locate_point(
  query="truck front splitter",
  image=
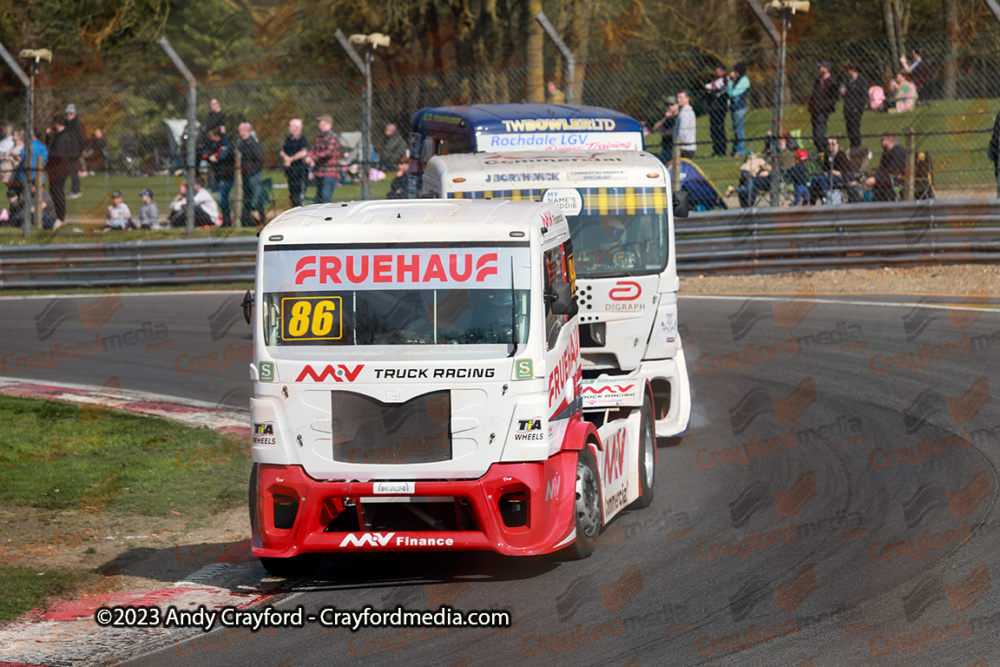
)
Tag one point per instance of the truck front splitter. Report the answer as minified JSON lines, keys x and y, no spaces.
{"x":516,"y":509}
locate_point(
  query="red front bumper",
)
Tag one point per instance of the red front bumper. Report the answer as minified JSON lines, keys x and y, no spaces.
{"x":548,"y":485}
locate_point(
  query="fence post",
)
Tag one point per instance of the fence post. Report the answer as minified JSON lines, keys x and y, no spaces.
{"x":236,"y":210}
{"x":911,"y":160}
{"x":365,"y":67}
{"x":39,"y":197}
{"x":192,"y":128}
{"x":676,"y":181}
{"x":28,"y":132}
{"x":567,"y":54}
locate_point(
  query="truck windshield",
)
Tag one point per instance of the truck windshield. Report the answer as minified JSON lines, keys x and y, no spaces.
{"x":619,"y":243}
{"x":397,"y":317}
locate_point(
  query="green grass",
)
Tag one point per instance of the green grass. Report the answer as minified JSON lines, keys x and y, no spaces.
{"x":25,"y":588}
{"x":959,"y":159}
{"x":59,"y":456}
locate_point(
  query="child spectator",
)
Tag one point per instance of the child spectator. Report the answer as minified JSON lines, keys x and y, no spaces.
{"x":397,"y":188}
{"x":118,"y":217}
{"x":798,"y":175}
{"x":149,"y":215}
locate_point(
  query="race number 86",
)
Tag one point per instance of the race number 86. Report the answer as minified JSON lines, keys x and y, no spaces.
{"x":311,"y":318}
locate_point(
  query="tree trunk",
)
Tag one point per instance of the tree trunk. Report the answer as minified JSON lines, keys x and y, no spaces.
{"x":534,"y":83}
{"x":948,"y":86}
{"x":890,"y":31}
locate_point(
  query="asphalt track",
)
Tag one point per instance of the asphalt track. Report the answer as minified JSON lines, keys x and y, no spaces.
{"x":831,"y":504}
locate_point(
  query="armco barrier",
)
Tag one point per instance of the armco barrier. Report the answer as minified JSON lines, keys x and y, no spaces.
{"x":740,"y":241}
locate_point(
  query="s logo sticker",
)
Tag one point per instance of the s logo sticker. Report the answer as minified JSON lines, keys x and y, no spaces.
{"x":266,"y":371}
{"x":524,"y":369}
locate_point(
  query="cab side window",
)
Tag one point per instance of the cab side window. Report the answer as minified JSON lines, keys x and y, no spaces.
{"x":558,"y":269}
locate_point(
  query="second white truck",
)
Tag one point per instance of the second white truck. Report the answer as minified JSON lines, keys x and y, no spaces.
{"x":620,"y":211}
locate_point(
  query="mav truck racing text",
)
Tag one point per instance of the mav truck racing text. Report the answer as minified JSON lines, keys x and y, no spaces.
{"x":418,"y":385}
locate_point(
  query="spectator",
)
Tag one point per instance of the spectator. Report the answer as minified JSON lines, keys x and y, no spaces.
{"x":119,"y":216}
{"x":556,"y":96}
{"x":904,"y":93}
{"x":7,"y":143}
{"x":61,"y":164}
{"x":718,"y":105}
{"x":855,"y":93}
{"x":9,"y":159}
{"x":738,"y":94}
{"x":784,"y":147}
{"x":16,"y":208}
{"x":687,"y":124}
{"x":993,"y":151}
{"x":836,"y":170}
{"x":251,"y":166}
{"x":397,"y":188}
{"x":206,"y":211}
{"x":798,"y":176}
{"x":325,"y":158}
{"x":96,"y":152}
{"x":76,"y":146}
{"x":216,"y":116}
{"x":918,"y":71}
{"x":392,"y":150}
{"x":149,"y":215}
{"x":890,"y":166}
{"x":38,"y":150}
{"x":755,"y":176}
{"x":665,"y":126}
{"x":218,"y":151}
{"x":293,"y":156}
{"x":824,"y":98}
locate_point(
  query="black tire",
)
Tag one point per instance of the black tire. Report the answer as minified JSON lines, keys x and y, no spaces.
{"x":290,"y":568}
{"x":647,"y":454}
{"x":586,"y":508}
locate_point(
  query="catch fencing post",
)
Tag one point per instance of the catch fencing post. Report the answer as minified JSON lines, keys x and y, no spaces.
{"x":192,"y":127}
{"x":676,"y":182}
{"x":911,"y":164}
{"x":236,"y":211}
{"x":28,"y":133}
{"x":368,"y":43}
{"x":39,"y":175}
{"x":567,"y":54}
{"x":778,"y":102}
{"x":365,"y":108}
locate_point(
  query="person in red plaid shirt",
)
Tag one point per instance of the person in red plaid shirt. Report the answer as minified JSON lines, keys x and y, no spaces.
{"x":324,"y":158}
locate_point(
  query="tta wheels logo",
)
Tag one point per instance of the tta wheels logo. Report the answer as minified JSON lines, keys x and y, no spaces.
{"x":625,"y":290}
{"x":342,"y":373}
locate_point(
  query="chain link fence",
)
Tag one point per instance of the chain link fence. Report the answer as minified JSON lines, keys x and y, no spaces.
{"x":134,"y":130}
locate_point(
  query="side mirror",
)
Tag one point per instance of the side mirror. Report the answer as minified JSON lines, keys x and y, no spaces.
{"x":561,"y":298}
{"x":682,"y":204}
{"x":248,"y":306}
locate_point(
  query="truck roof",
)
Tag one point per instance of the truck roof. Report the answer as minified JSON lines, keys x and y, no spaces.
{"x":529,"y":175}
{"x":499,"y":161}
{"x":491,"y":116}
{"x":411,"y":220}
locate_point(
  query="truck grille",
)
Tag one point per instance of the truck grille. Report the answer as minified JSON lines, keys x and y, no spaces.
{"x":368,"y":431}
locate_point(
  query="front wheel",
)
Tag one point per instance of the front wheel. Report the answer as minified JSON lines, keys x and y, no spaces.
{"x":586,"y":508}
{"x":647,"y":454}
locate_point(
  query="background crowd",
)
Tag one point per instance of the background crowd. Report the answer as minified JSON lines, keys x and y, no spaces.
{"x":833,"y":172}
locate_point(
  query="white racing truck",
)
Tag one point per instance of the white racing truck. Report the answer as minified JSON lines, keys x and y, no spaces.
{"x":620,"y":210}
{"x":417,"y":385}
